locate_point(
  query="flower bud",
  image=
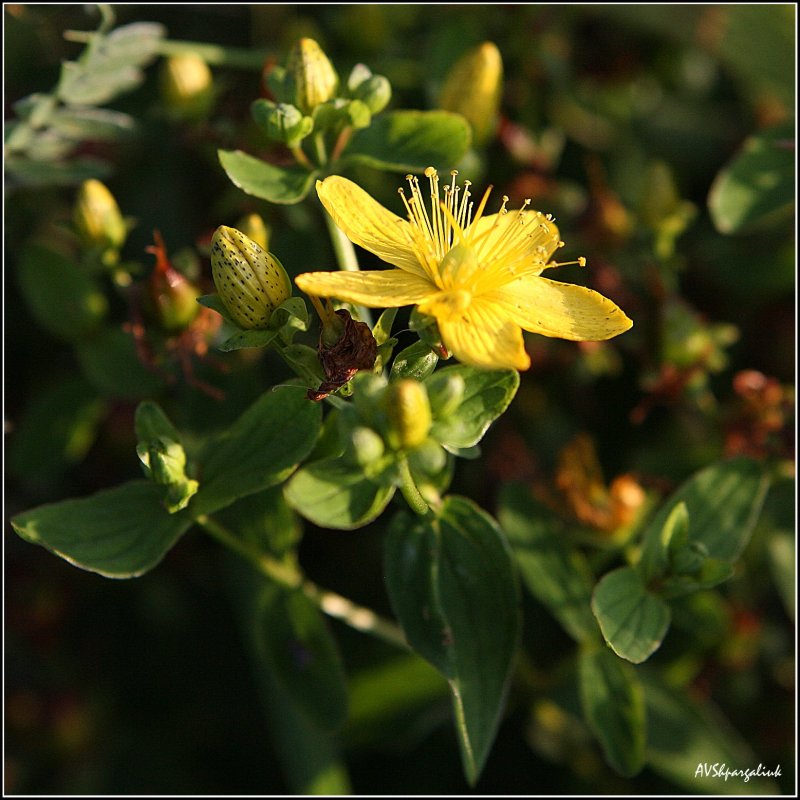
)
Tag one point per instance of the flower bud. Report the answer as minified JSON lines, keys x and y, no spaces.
{"x":282,"y":122}
{"x":408,"y":414}
{"x":374,"y":91}
{"x":251,"y":282}
{"x":254,"y":227}
{"x":473,"y":88}
{"x":363,"y":446}
{"x":186,"y":86}
{"x":315,"y":80}
{"x":445,"y":393}
{"x":98,"y":219}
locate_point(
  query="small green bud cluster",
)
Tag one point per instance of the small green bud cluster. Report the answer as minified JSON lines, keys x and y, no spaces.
{"x":310,"y":98}
{"x":251,"y":282}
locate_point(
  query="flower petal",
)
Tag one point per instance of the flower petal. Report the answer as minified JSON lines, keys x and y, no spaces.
{"x":368,"y":224}
{"x":482,"y":335}
{"x":562,"y":310}
{"x":384,"y":288}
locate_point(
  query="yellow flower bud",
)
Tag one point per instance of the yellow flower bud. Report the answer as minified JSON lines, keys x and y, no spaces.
{"x":408,"y":414}
{"x":251,"y":282}
{"x":254,"y":227}
{"x":97,"y":217}
{"x":473,"y":88}
{"x":186,"y":86}
{"x":315,"y":80}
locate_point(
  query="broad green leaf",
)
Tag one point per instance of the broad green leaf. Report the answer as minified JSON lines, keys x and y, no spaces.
{"x":110,"y":361}
{"x":261,"y":449}
{"x":61,"y":296}
{"x":87,"y":84}
{"x":245,"y":338}
{"x":335,"y":494}
{"x":56,"y":429}
{"x":613,"y":706}
{"x":452,"y":585}
{"x":633,"y":621}
{"x":92,"y":124}
{"x":119,"y":533}
{"x":554,"y":573}
{"x":417,"y":361}
{"x":410,"y":141}
{"x":758,"y":186}
{"x":302,"y":654}
{"x":391,"y":700}
{"x":488,"y":394}
{"x":286,"y":185}
{"x":723,"y":502}
{"x":687,"y":737}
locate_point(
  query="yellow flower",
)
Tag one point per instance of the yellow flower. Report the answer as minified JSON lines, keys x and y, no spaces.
{"x":478,"y":276}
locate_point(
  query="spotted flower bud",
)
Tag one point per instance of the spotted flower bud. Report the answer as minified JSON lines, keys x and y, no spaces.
{"x":315,"y":80}
{"x":408,"y":414}
{"x":98,"y":219}
{"x":473,"y":87}
{"x":251,"y":282}
{"x":186,"y":86}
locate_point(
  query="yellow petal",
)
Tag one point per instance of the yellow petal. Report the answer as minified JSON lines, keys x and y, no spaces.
{"x":368,"y":224}
{"x":562,"y":310}
{"x":385,"y":288}
{"x":482,"y":335}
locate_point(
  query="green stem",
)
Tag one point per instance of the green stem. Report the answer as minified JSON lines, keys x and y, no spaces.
{"x":213,"y":54}
{"x":331,"y":603}
{"x":409,"y":489}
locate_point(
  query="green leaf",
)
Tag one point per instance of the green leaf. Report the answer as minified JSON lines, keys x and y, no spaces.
{"x":487,"y":395}
{"x":64,"y":300}
{"x":86,"y":84}
{"x":134,"y":44}
{"x":335,"y":494}
{"x":248,"y":338}
{"x":286,"y":185}
{"x":214,"y":302}
{"x":452,"y":585}
{"x":613,"y":705}
{"x":119,"y":533}
{"x":383,"y":327}
{"x":633,"y":621}
{"x":758,"y":187}
{"x":555,"y":574}
{"x":24,"y":171}
{"x":261,"y":449}
{"x":92,"y":124}
{"x":410,"y":141}
{"x":686,"y":736}
{"x":723,"y":501}
{"x":150,"y":422}
{"x":417,"y":362}
{"x":781,"y":550}
{"x":111,"y":363}
{"x":302,"y":654}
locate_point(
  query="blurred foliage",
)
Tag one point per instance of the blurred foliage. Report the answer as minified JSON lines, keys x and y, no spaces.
{"x":662,"y":138}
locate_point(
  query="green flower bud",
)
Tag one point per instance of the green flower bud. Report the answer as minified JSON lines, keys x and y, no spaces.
{"x":445,"y":392}
{"x":473,"y":88}
{"x":282,"y":122}
{"x":98,"y":220}
{"x":187,"y":86}
{"x":374,"y":91}
{"x":428,"y":460}
{"x":251,"y":282}
{"x":254,"y":227}
{"x":408,"y":414}
{"x":315,"y":80}
{"x":363,"y":446}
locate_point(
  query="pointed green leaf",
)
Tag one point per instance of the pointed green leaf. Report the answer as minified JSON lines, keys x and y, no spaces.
{"x":261,"y":449}
{"x":335,"y":494}
{"x":452,"y":585}
{"x":633,"y":621}
{"x":488,"y":394}
{"x":119,"y":533}
{"x":758,"y":186}
{"x":554,"y":573}
{"x":416,"y":361}
{"x":302,"y":654}
{"x":251,"y":338}
{"x":723,"y":502}
{"x":410,"y":141}
{"x":613,"y":705}
{"x":286,"y":185}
